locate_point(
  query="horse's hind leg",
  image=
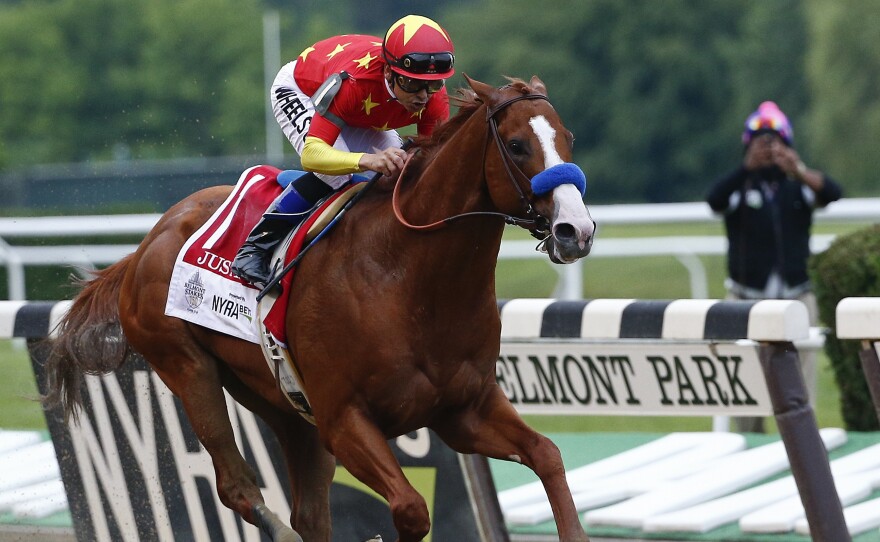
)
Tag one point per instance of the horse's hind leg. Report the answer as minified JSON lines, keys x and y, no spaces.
{"x":496,"y":430}
{"x":363,"y":450}
{"x":192,"y":375}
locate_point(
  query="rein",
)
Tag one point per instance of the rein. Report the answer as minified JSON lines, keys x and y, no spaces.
{"x":541,"y":224}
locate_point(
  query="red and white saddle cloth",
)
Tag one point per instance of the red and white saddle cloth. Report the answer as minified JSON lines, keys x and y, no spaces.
{"x":204,"y":291}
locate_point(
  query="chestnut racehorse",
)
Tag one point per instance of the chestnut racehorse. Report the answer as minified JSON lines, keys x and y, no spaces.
{"x":392,"y":320}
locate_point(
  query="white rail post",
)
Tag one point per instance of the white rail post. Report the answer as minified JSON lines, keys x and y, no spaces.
{"x":571,"y":281}
{"x":15,"y":271}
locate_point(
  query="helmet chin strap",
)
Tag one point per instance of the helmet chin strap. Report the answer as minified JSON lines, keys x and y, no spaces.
{"x":389,"y":82}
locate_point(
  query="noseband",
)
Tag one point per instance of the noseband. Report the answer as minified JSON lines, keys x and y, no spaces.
{"x":540,"y":225}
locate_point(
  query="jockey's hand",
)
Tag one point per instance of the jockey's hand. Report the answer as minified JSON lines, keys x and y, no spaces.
{"x":788,"y":161}
{"x":388,"y":162}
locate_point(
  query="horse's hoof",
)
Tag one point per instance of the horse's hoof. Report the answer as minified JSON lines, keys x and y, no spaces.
{"x":377,"y":538}
{"x":288,"y":536}
{"x":274,"y":527}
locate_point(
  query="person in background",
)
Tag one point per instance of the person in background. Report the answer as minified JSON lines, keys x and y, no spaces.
{"x":339,"y":103}
{"x":768,"y":203}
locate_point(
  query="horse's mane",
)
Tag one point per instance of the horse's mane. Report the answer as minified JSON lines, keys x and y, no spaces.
{"x":467,"y":102}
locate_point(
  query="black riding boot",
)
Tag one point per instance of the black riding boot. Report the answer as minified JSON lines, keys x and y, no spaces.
{"x":252,"y":261}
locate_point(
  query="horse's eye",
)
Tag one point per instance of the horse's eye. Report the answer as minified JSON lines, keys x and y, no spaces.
{"x":516,"y":147}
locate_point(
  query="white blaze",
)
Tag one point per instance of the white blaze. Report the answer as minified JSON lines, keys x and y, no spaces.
{"x":568,"y":202}
{"x":547,"y":136}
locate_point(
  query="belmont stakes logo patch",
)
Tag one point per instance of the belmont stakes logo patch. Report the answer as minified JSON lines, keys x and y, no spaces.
{"x":194,"y":290}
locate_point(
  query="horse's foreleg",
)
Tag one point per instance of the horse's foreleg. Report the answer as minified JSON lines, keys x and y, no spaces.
{"x":495,"y":429}
{"x":310,"y":467}
{"x":363,"y":450}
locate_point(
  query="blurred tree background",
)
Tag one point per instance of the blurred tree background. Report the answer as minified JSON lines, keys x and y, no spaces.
{"x":655,"y":91}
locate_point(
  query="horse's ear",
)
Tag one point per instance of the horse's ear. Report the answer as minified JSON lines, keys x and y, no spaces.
{"x":538,"y":85}
{"x":486,"y":93}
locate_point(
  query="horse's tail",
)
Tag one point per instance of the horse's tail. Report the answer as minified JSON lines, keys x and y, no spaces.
{"x":89,"y":339}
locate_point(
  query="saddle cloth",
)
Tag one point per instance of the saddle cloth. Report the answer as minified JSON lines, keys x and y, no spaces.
{"x":204,"y":291}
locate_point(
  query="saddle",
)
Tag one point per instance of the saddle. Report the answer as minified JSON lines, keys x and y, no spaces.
{"x":202,"y":290}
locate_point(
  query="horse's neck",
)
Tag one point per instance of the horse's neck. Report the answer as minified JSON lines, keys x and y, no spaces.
{"x":453,"y":183}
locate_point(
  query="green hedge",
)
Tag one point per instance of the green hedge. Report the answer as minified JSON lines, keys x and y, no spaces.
{"x":849,"y":268}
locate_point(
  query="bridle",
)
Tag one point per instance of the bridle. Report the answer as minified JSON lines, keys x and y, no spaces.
{"x":537,"y":224}
{"x":540,"y":225}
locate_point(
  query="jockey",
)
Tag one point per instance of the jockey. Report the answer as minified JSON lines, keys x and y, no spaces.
{"x":338,"y":103}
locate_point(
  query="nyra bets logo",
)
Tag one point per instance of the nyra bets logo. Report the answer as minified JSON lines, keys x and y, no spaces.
{"x":194,"y":290}
{"x":232,"y":308}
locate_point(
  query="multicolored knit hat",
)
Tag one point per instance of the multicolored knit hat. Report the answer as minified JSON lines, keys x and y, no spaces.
{"x":768,"y":117}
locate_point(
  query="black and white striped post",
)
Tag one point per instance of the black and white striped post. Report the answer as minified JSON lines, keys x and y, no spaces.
{"x":30,"y":319}
{"x":859,"y":318}
{"x":696,"y":331}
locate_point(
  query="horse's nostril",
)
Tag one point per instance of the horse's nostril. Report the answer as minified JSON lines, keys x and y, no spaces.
{"x":565,"y":232}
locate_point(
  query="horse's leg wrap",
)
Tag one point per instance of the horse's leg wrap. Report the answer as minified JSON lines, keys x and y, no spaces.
{"x":269,"y":522}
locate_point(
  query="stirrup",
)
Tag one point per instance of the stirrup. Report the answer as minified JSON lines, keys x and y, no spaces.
{"x":259,"y":282}
{"x":277,"y":288}
{"x":243,"y":274}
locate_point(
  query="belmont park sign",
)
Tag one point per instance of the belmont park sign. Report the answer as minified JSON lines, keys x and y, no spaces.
{"x":690,"y":357}
{"x":633,"y":378}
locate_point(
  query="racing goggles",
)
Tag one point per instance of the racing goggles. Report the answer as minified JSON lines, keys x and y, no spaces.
{"x":412,"y":86}
{"x":426,"y":62}
{"x":765,"y":123}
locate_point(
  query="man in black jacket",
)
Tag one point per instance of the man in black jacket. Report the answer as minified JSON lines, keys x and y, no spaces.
{"x":768,"y":204}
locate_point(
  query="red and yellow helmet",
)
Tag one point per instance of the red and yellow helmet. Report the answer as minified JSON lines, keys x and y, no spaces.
{"x":417,"y":47}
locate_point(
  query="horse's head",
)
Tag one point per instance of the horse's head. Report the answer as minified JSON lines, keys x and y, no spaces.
{"x":529,"y":170}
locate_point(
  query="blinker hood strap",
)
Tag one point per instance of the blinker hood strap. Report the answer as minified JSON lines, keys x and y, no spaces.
{"x":566,"y":173}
